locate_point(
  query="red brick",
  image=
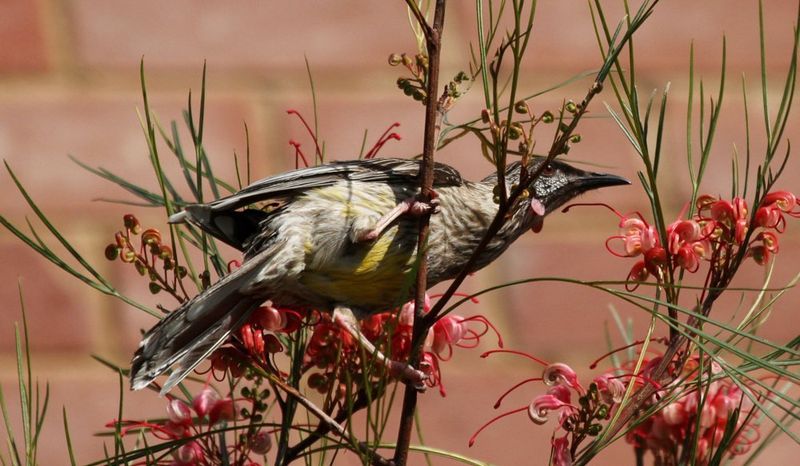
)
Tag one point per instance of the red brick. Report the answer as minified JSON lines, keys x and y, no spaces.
{"x":255,"y":35}
{"x":37,"y":134}
{"x":87,"y":381}
{"x":22,"y":37}
{"x":563,"y":36}
{"x":57,"y":308}
{"x":343,"y":120}
{"x":731,"y":134}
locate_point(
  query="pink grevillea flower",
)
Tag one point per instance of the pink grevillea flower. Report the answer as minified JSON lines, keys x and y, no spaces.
{"x":637,"y":236}
{"x":454,"y":330}
{"x":560,"y":379}
{"x":675,"y":424}
{"x":689,"y":243}
{"x":731,"y":221}
{"x":560,"y":453}
{"x":185,"y":423}
{"x":730,"y":216}
{"x":178,"y":412}
{"x":611,"y":389}
{"x":258,"y":333}
{"x":332,"y":349}
{"x":204,"y":401}
{"x":190,"y":453}
{"x":761,"y":253}
{"x":561,"y":374}
{"x":770,"y":213}
{"x":260,"y":442}
{"x":556,"y":398}
{"x":715,"y":233}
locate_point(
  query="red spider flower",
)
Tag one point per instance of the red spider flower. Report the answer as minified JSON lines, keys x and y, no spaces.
{"x":181,"y":425}
{"x":770,"y":213}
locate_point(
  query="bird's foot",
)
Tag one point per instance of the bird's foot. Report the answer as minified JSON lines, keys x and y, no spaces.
{"x":411,"y":376}
{"x":415,"y":206}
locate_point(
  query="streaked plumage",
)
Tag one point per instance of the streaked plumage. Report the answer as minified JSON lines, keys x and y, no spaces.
{"x":302,"y":249}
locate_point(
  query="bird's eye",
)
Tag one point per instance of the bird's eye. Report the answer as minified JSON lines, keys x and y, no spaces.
{"x":548,"y":171}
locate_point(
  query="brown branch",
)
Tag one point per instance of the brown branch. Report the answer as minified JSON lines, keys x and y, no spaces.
{"x":426,"y":28}
{"x":433,"y":43}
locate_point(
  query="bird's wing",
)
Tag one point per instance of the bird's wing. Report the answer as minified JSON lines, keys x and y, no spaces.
{"x":388,"y":170}
{"x":223,"y":220}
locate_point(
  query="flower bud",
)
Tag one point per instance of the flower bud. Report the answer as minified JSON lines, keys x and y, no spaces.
{"x":395,"y":59}
{"x":165,"y":252}
{"x":112,"y":252}
{"x":178,"y":412}
{"x":204,"y":401}
{"x":120,"y":239}
{"x":127,"y":256}
{"x":132,"y":224}
{"x":269,"y":318}
{"x":515,"y":131}
{"x":260,"y":443}
{"x":547,"y":117}
{"x":222,"y":410}
{"x":559,"y":373}
{"x":151,"y":236}
{"x":673,"y":414}
{"x":189,"y":453}
{"x":571,"y":107}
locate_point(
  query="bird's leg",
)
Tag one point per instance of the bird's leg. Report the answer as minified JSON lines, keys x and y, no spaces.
{"x":412,"y":206}
{"x":345,"y":318}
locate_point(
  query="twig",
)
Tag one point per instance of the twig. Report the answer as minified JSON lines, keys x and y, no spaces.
{"x":330,"y":423}
{"x":361,"y":402}
{"x":433,"y":36}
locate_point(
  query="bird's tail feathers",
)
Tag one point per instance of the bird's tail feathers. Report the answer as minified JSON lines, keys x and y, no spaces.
{"x":188,"y":335}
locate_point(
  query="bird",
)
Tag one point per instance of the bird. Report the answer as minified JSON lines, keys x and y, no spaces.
{"x":342,"y":238}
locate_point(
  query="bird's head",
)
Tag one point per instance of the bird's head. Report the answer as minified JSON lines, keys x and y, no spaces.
{"x":558,"y":183}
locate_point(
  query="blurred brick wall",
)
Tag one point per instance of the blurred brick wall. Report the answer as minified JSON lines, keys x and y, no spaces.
{"x":69,"y":85}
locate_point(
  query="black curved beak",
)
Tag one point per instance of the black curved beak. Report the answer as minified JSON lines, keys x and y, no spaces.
{"x":591,"y":181}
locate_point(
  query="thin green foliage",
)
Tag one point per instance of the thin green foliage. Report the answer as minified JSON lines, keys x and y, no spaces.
{"x":33,"y":405}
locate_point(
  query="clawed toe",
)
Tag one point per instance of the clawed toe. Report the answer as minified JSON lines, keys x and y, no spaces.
{"x":417,"y":378}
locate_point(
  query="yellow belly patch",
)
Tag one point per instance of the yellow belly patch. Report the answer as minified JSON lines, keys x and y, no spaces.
{"x":374,"y":275}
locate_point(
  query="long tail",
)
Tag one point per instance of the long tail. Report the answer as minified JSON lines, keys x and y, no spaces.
{"x":191,"y":333}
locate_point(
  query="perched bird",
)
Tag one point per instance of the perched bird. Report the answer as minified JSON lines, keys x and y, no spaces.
{"x":340,"y":237}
